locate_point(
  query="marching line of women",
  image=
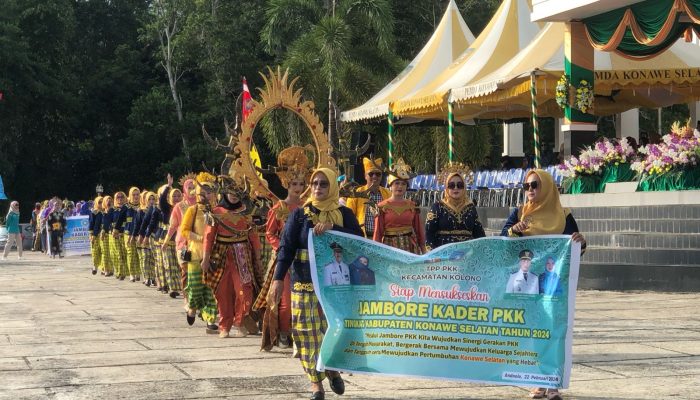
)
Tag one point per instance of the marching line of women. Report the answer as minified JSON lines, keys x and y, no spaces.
{"x":201,"y":241}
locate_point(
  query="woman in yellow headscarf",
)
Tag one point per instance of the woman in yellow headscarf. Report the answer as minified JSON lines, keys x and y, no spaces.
{"x":320,"y":213}
{"x":94,"y":228}
{"x":542,"y":214}
{"x":453,"y":218}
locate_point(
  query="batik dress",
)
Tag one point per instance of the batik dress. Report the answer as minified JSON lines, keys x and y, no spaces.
{"x":279,"y":317}
{"x":397,"y":224}
{"x":95,"y":227}
{"x":199,"y":295}
{"x":235,"y":249}
{"x":308,"y":322}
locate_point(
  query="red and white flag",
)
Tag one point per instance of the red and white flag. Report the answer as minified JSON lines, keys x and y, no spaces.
{"x":247,"y":101}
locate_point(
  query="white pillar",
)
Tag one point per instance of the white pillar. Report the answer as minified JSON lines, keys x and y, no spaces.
{"x":629,"y":124}
{"x":513,"y":140}
{"x":694,"y":108}
{"x":618,"y":126}
{"x":558,"y":137}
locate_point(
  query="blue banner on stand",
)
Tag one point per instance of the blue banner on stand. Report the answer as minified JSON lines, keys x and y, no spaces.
{"x":76,"y":240}
{"x":497,"y":310}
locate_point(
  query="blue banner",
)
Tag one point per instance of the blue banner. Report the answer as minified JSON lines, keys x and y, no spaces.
{"x":2,"y":190}
{"x":497,"y":310}
{"x":76,"y":240}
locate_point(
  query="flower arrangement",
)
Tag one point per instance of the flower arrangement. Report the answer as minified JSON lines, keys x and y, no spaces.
{"x":593,"y":159}
{"x":678,"y":149}
{"x":584,"y":96}
{"x":562,"y":91}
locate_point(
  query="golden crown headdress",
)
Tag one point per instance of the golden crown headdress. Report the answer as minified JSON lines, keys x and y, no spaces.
{"x":399,"y":170}
{"x":455,"y":168}
{"x":293,"y":164}
{"x":185,"y":177}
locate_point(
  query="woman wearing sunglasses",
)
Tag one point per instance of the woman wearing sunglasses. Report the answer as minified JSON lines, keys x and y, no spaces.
{"x":453,"y":218}
{"x":397,"y":223}
{"x":320,"y":213}
{"x":542,"y":214}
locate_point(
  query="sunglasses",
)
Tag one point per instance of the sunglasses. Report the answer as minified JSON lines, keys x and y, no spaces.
{"x":527,"y":185}
{"x":455,"y":185}
{"x":375,"y":174}
{"x":320,"y":184}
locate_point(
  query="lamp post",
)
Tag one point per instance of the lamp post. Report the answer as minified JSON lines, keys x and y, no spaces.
{"x":99,"y":189}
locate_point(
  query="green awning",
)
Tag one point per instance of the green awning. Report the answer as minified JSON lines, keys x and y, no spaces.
{"x":644,"y":29}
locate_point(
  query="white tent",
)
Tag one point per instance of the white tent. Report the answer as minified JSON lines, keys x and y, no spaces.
{"x":450,"y":39}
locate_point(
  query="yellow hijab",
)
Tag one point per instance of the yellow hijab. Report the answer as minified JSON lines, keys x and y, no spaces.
{"x":545,"y":216}
{"x":131,"y":193}
{"x":456,"y":204}
{"x":105,"y":200}
{"x":171,"y":195}
{"x":330,"y":208}
{"x":97,"y":204}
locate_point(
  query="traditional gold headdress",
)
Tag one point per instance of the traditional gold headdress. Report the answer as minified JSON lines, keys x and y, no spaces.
{"x":372,"y":164}
{"x":185,"y":177}
{"x":462,"y":170}
{"x":293,"y":164}
{"x":399,"y":170}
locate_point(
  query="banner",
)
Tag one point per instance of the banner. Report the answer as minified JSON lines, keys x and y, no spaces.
{"x":497,"y":310}
{"x":76,"y":240}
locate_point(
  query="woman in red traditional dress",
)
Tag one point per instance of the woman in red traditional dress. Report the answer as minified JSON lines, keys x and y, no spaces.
{"x":397,"y":222}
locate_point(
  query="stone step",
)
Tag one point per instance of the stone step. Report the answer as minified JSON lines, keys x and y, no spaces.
{"x":658,"y":278}
{"x":644,"y":240}
{"x":641,"y":257}
{"x":651,"y":226}
{"x":639,"y":212}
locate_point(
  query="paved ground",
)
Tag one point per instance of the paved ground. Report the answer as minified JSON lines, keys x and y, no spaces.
{"x":66,"y":334}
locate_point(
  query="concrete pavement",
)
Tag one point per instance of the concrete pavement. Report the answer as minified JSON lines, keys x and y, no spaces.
{"x":66,"y":334}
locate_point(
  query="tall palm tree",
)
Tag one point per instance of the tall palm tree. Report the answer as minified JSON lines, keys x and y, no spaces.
{"x":341,"y":49}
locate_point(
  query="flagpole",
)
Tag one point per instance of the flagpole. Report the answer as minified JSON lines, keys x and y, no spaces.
{"x":450,"y":131}
{"x":390,"y":121}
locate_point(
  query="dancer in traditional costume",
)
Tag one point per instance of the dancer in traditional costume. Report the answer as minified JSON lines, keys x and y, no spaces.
{"x":231,"y":251}
{"x":155,"y":231}
{"x":364,"y":208}
{"x":199,"y":296}
{"x":397,"y":222}
{"x":170,"y":261}
{"x":94,"y":228}
{"x":188,"y":200}
{"x":453,"y":218}
{"x":147,"y":257}
{"x":320,"y":213}
{"x":130,"y":241}
{"x":293,"y":171}
{"x":105,"y":234}
{"x":56,"y":223}
{"x":116,"y":242}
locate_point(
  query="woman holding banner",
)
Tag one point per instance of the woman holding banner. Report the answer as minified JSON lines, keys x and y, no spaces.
{"x":453,"y":218}
{"x":320,"y":213}
{"x":397,"y":222}
{"x":542,"y":214}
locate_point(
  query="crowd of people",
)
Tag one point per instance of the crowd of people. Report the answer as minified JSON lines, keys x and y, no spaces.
{"x":201,"y":241}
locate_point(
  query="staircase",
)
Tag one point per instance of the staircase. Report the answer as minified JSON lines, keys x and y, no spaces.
{"x":633,"y":247}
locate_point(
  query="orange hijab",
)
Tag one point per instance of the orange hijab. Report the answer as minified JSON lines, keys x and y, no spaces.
{"x":545,"y":216}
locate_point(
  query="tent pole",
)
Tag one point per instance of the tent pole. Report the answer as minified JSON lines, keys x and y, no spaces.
{"x":450,"y":131}
{"x":535,"y":125}
{"x":390,"y":122}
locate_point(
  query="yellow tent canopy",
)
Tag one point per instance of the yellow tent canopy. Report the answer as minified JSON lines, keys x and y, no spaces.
{"x":450,"y":39}
{"x":621,"y":84}
{"x":509,"y":31}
